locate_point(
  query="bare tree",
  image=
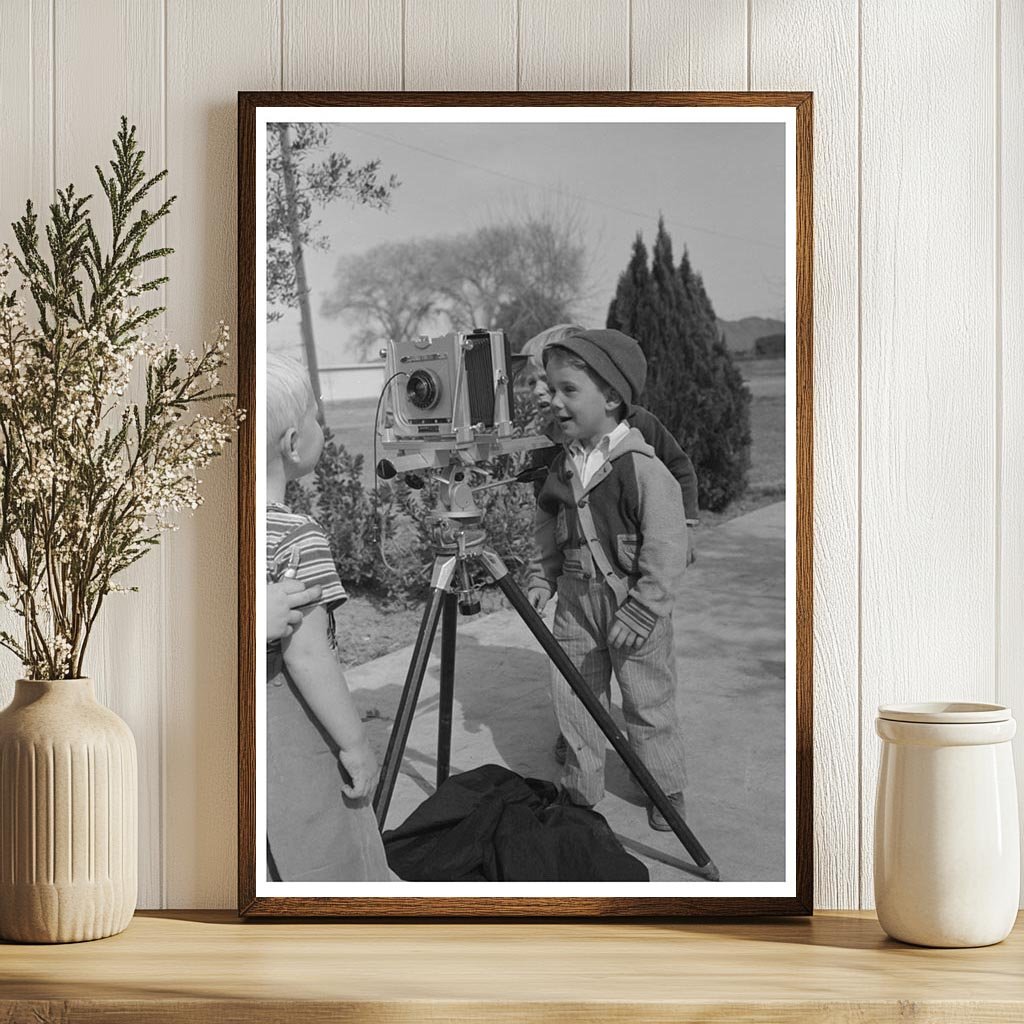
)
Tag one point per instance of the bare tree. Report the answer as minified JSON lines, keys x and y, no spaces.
{"x":390,"y":289}
{"x":521,"y":275}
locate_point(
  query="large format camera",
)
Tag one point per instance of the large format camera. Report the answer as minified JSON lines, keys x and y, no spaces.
{"x":451,"y":388}
{"x":449,"y":408}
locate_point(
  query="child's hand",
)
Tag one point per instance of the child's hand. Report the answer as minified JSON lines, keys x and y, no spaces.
{"x":284,"y":599}
{"x":538,"y":598}
{"x":361,"y":767}
{"x":622,"y":637}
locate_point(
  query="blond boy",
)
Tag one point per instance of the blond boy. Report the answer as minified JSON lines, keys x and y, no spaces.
{"x":320,"y":768}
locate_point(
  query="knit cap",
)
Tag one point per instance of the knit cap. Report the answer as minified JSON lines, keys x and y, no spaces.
{"x":613,"y":356}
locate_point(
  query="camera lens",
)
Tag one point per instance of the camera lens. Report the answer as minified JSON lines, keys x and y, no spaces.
{"x":423,"y":389}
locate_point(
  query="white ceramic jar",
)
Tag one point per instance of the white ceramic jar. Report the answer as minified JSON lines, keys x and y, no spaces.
{"x":947,"y":847}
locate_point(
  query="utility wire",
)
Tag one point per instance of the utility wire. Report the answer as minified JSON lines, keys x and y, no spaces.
{"x":551,"y":188}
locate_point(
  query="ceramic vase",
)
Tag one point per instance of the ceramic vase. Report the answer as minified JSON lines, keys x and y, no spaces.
{"x":68,"y":815}
{"x":947,"y":847}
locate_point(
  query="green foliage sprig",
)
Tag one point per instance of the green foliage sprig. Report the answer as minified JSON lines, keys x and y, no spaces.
{"x":88,"y":477}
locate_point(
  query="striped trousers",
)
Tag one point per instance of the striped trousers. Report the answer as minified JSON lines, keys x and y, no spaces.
{"x":646,"y":676}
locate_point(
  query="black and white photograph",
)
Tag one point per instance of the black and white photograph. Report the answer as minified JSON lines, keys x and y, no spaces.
{"x":525,"y":478}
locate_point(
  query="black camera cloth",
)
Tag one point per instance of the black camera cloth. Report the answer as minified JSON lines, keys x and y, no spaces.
{"x":492,"y":825}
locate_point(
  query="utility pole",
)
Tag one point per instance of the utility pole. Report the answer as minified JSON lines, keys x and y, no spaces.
{"x":301,"y":287}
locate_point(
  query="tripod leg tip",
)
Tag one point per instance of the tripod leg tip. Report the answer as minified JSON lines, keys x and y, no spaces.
{"x":710,"y":872}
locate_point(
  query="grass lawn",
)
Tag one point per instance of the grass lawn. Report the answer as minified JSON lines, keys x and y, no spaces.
{"x":766,"y":379}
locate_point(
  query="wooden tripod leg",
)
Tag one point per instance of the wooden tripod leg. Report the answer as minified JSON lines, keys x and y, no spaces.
{"x":447,"y":693}
{"x":537,"y":626}
{"x":444,"y":569}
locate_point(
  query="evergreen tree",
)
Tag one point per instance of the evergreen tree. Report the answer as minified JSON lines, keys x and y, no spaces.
{"x":634,"y":284}
{"x":693,"y":386}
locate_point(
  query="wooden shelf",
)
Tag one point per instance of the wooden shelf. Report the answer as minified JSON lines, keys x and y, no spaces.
{"x":209,"y":966}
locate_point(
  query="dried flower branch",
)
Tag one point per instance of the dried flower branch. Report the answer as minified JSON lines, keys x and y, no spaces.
{"x":89,"y":478}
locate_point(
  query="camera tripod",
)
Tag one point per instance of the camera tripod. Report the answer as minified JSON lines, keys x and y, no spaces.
{"x":457,"y":542}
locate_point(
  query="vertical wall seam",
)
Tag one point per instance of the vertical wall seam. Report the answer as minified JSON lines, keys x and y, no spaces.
{"x":997,"y":211}
{"x":162,"y":695}
{"x":32,"y":96}
{"x":629,"y":45}
{"x":403,"y":44}
{"x":860,"y":456}
{"x":280,"y":41}
{"x":750,"y":44}
{"x":688,"y":14}
{"x":519,"y":43}
{"x":53,"y":99}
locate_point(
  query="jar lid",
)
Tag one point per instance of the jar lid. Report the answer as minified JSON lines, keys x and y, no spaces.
{"x":945,"y":712}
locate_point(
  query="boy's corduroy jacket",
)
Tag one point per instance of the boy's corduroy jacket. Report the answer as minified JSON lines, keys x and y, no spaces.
{"x":637,"y":512}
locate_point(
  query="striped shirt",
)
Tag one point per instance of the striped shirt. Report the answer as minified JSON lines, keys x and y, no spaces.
{"x":297,"y":548}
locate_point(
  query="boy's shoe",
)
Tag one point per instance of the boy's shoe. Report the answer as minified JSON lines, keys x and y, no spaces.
{"x":561,"y":749}
{"x":657,"y":820}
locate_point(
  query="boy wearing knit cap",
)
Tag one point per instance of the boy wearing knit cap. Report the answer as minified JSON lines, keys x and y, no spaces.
{"x":611,"y":540}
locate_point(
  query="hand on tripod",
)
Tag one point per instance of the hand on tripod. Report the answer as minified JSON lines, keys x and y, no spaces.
{"x":539,"y":598}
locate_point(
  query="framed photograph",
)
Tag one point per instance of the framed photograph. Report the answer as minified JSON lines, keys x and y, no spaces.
{"x":525,"y":504}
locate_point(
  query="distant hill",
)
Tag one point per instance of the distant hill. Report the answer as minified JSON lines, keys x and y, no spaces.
{"x":740,"y":335}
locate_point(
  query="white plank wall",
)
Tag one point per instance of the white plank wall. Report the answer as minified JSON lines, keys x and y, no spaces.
{"x":26,"y":163}
{"x":226,"y":46}
{"x":781,"y":59}
{"x":355,"y":44}
{"x":460,"y":44}
{"x":130,"y":34}
{"x":573,"y":44}
{"x":928,"y":516}
{"x":1009,"y":260}
{"x":919,"y":316}
{"x":26,"y":105}
{"x":697,"y":44}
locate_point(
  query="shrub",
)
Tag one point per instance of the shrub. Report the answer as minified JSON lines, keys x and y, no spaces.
{"x":353,"y":518}
{"x":359,"y":521}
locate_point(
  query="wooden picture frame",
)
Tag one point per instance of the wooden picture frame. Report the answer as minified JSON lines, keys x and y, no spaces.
{"x":793,"y":893}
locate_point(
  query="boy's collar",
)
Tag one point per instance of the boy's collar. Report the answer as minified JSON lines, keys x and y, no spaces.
{"x":608,"y":441}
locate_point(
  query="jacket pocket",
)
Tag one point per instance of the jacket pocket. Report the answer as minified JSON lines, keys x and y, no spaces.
{"x":627,"y":547}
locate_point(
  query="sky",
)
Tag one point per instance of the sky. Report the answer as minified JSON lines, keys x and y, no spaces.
{"x":720,"y":188}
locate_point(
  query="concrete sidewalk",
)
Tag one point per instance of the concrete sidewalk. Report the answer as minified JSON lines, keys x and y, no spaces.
{"x":730,"y":646}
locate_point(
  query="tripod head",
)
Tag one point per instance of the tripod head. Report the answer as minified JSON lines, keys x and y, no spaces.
{"x":457,"y":529}
{"x":449,"y":458}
